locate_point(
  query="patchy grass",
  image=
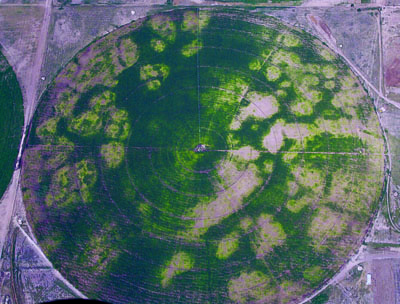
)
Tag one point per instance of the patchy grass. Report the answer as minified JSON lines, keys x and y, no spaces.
{"x":191,"y":48}
{"x":227,"y":246}
{"x":129,"y":52}
{"x":326,"y":225}
{"x":272,"y":73}
{"x":164,"y":27}
{"x":314,"y":274}
{"x":178,"y":264}
{"x":158,"y":45}
{"x":249,"y":287}
{"x":302,"y":108}
{"x":113,"y":154}
{"x":289,"y":40}
{"x":190,"y":21}
{"x":118,"y":126}
{"x":86,"y":124}
{"x":87,"y":176}
{"x":269,"y":234}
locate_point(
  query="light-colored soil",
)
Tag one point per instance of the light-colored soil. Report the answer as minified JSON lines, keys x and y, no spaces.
{"x":226,"y":203}
{"x":384,"y":287}
{"x":327,"y":224}
{"x":274,"y":139}
{"x":261,"y":105}
{"x":269,"y":234}
{"x":391,"y":45}
{"x":247,"y":153}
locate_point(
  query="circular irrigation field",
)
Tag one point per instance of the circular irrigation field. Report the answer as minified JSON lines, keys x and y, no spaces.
{"x":202,"y":156}
{"x":11,"y":121}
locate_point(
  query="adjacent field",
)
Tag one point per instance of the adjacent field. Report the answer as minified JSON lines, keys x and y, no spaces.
{"x":202,"y":156}
{"x":11,"y":122}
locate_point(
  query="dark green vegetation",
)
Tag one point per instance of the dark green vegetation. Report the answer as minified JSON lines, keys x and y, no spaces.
{"x":202,"y":157}
{"x":11,"y":121}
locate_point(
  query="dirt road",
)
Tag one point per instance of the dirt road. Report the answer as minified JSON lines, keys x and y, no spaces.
{"x":361,"y":257}
{"x":7,"y":207}
{"x":34,"y":77}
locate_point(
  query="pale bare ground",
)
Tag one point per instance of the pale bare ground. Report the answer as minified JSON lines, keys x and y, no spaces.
{"x":34,"y":77}
{"x":46,"y":261}
{"x":319,"y":3}
{"x":274,"y":139}
{"x":261,"y":106}
{"x":7,"y":206}
{"x":247,"y":153}
{"x":19,"y":34}
{"x":331,"y":42}
{"x":227,"y":202}
{"x":383,"y":281}
{"x":362,"y":256}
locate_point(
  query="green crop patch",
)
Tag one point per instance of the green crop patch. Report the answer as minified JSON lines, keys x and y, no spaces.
{"x":202,"y":156}
{"x":11,"y":122}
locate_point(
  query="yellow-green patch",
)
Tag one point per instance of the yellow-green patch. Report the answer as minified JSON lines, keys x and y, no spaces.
{"x":48,"y":128}
{"x":61,"y":188}
{"x":87,"y":176}
{"x":326,"y":224}
{"x":295,"y":205}
{"x":302,"y":108}
{"x":113,"y":154}
{"x":314,"y":274}
{"x":129,"y":52}
{"x":227,"y":202}
{"x":309,"y":80}
{"x":327,"y":55}
{"x":286,"y":58}
{"x":330,"y":84}
{"x":329,"y":71}
{"x":255,"y":65}
{"x":98,"y":252}
{"x":164,"y":26}
{"x":250,"y":287}
{"x":66,"y":103}
{"x":153,"y":84}
{"x":102,"y":101}
{"x":245,"y":223}
{"x":118,"y":126}
{"x":273,"y":73}
{"x":311,"y":177}
{"x":86,"y":124}
{"x":152,"y":71}
{"x":227,"y":246}
{"x":190,"y":21}
{"x":268,"y":166}
{"x":157,"y":45}
{"x":179,"y":263}
{"x":191,"y":48}
{"x":289,"y":40}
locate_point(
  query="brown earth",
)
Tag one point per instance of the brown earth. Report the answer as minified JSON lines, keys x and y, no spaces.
{"x":383,"y":282}
{"x":392,"y":73}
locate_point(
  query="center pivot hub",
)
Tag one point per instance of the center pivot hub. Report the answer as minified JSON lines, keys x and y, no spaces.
{"x":200,"y":148}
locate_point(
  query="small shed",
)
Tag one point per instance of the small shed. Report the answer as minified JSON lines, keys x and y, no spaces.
{"x":369,"y":279}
